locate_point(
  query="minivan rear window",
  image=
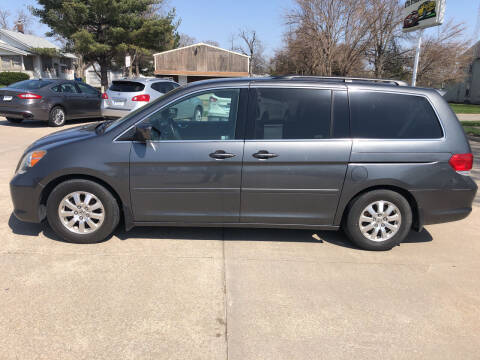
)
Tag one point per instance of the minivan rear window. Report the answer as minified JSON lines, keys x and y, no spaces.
{"x":376,"y":115}
{"x":30,"y":84}
{"x":127,"y":86}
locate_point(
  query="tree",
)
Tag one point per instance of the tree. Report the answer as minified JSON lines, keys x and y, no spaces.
{"x":444,"y":57}
{"x":21,"y":17}
{"x":385,"y":35}
{"x":4,"y":19}
{"x":186,"y":40}
{"x":332,"y":36}
{"x":212,"y":42}
{"x":253,"y":47}
{"x":102,"y":30}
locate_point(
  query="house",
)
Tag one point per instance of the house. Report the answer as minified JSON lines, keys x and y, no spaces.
{"x":34,"y":55}
{"x":467,"y":91}
{"x":92,"y":75}
{"x":199,"y":62}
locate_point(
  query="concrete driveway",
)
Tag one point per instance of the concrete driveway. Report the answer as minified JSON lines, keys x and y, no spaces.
{"x":210,"y":294}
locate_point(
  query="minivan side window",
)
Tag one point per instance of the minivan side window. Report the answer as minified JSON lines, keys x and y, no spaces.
{"x":292,"y":113}
{"x":376,"y":115}
{"x":211,"y":115}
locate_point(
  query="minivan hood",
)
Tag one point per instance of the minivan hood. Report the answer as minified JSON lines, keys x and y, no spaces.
{"x":65,"y":136}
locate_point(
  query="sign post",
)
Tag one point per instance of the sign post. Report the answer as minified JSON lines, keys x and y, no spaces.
{"x":419,"y":15}
{"x":417,"y":59}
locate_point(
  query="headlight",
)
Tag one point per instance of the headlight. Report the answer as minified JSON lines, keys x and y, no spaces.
{"x":30,"y":160}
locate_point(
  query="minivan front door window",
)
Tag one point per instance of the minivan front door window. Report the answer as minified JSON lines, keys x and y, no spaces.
{"x":207,"y":116}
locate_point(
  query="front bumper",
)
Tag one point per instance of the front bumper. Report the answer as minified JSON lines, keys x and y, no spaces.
{"x":114,"y":113}
{"x":26,"y":197}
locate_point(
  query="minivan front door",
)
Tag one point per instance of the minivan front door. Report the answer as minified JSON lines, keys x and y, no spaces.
{"x":295,"y":160}
{"x":191,"y":171}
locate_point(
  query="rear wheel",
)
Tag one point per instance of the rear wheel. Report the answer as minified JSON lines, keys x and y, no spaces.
{"x":14,"y":120}
{"x":82,"y":211}
{"x":57,"y":117}
{"x":197,"y":115}
{"x":378,"y":220}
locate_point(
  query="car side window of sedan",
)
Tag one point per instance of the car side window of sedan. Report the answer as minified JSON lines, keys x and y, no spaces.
{"x":86,"y":89}
{"x":211,"y":115}
{"x":68,"y":88}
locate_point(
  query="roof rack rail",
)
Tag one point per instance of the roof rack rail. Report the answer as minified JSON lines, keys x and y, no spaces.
{"x":344,"y":79}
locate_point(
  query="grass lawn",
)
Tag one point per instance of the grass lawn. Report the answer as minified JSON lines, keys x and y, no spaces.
{"x":465,"y":108}
{"x":471,"y":127}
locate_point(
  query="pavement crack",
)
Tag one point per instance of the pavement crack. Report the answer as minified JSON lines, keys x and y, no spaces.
{"x":225,"y":294}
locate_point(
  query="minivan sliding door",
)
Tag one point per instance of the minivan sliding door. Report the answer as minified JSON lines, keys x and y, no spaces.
{"x":296,"y":156}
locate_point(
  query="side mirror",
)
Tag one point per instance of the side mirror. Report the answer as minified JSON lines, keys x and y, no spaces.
{"x":143,"y":133}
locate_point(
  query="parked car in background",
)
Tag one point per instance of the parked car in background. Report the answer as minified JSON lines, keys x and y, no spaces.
{"x":219,"y":108}
{"x":127,"y":95}
{"x":52,"y":100}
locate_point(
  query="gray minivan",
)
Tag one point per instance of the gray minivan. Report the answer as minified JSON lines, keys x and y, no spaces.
{"x":372,"y":157}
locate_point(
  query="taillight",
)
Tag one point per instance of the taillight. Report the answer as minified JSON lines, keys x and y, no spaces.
{"x":29,"y":96}
{"x":212,"y":99}
{"x":104,"y":96}
{"x":144,"y":97}
{"x":461,"y":162}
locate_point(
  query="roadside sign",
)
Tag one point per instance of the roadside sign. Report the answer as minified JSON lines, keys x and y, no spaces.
{"x":421,"y":14}
{"x":127,"y":61}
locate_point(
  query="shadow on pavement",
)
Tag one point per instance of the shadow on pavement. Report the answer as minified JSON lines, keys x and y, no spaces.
{"x":337,"y":238}
{"x":40,"y":124}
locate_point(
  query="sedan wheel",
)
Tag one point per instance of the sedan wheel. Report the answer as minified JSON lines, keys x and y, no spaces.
{"x":57,"y":117}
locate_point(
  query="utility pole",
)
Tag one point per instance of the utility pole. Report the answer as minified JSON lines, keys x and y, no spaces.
{"x":417,"y":59}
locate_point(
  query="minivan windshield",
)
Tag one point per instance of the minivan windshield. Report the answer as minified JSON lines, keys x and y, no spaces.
{"x":30,"y":84}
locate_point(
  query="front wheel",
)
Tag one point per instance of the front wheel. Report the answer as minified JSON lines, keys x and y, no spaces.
{"x":378,"y":220}
{"x":82,"y":211}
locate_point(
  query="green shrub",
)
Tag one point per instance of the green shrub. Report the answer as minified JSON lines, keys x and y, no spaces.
{"x":7,"y":78}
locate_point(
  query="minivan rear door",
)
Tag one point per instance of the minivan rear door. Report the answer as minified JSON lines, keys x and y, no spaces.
{"x":296,"y":155}
{"x":191,"y":170}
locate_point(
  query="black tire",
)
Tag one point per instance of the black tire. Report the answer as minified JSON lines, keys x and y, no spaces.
{"x":112,"y":212}
{"x":352,"y":226}
{"x":14,"y":120}
{"x":198,"y":109}
{"x":53,"y":120}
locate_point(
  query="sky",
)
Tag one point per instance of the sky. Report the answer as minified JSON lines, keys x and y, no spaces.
{"x":218,"y":19}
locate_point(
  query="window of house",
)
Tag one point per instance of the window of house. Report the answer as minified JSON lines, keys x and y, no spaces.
{"x":28,"y":63}
{"x":11,"y":62}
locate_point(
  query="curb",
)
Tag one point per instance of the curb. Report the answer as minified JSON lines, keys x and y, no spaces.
{"x":474,"y":138}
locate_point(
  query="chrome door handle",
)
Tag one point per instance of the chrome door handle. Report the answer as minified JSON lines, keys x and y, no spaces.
{"x":264,"y":155}
{"x":221,"y":155}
